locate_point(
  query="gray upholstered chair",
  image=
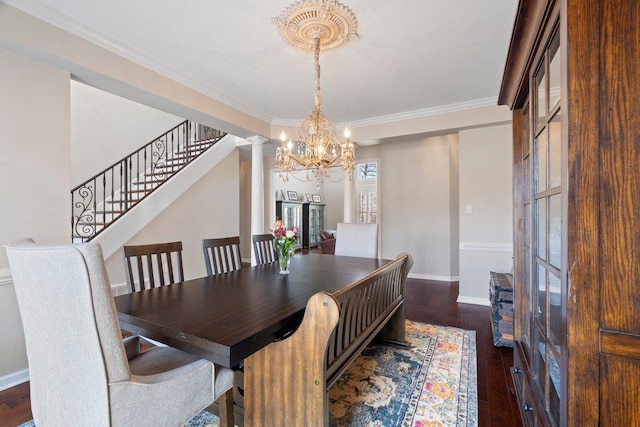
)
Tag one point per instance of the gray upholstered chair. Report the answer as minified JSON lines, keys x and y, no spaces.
{"x":81,"y":371}
{"x":263,"y":249}
{"x":222,"y":255}
{"x":359,"y":240}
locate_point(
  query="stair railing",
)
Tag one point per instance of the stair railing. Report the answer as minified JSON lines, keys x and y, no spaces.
{"x":102,"y":199}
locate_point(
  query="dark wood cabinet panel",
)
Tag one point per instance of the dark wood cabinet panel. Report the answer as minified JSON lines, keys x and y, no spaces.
{"x":572,"y":81}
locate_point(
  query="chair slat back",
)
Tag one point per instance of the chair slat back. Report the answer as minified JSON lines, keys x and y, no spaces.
{"x":263,"y":249}
{"x":150,"y":266}
{"x":222,"y":255}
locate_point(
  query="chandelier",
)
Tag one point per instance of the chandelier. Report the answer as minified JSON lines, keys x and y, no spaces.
{"x":314,"y":25}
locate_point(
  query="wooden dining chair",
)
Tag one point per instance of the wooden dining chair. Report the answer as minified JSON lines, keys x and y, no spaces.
{"x":263,"y":249}
{"x":222,"y":255}
{"x":150,"y":266}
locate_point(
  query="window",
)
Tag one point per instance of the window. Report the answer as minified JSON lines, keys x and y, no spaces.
{"x":368,"y":170}
{"x":367,"y":192}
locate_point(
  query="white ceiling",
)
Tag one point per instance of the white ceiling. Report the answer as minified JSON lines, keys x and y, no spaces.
{"x":411,"y":55}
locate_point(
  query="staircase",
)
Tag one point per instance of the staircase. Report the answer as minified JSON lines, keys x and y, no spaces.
{"x":104,"y":198}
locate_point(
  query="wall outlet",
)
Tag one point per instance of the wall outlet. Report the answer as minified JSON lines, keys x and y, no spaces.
{"x":468,"y":209}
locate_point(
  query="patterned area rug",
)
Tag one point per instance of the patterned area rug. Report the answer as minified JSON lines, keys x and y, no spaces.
{"x":432,"y":383}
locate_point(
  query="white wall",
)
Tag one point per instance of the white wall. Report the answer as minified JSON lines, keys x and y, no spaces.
{"x":209,"y":209}
{"x":415,"y":202}
{"x":299,"y":185}
{"x":454,"y":199}
{"x":105,"y":128}
{"x":333,"y":198}
{"x":34,"y":171}
{"x":486,"y":188}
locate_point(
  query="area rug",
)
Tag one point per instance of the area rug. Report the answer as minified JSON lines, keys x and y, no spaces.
{"x":433,"y":382}
{"x":202,"y":419}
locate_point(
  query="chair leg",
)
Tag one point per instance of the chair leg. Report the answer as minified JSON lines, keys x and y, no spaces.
{"x":225,"y":405}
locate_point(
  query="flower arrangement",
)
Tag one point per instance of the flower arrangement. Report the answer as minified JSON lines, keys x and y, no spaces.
{"x":284,"y":241}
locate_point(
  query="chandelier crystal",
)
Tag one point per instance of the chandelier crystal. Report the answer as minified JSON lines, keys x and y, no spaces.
{"x":312,"y":26}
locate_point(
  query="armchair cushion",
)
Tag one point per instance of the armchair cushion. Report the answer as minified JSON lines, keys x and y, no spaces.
{"x":325,"y":235}
{"x":328,"y":246}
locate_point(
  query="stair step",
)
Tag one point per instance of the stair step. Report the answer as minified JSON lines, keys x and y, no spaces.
{"x":166,"y":174}
{"x":153,"y":183}
{"x":91,"y":224}
{"x":110,"y":212}
{"x":203,"y":143}
{"x":179,"y":155}
{"x":173,"y":164}
{"x":135,"y":191}
{"x":131,"y":201}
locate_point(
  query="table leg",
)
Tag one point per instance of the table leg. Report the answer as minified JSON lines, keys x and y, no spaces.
{"x":225,"y":405}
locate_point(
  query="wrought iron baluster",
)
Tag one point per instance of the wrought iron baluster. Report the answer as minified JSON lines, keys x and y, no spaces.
{"x":143,"y":174}
{"x":113,"y":179}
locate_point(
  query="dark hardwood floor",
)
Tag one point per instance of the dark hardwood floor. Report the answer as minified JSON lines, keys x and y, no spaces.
{"x":427,"y":301}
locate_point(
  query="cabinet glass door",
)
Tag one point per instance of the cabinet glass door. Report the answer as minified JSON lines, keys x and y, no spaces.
{"x":314,"y":224}
{"x":292,"y":217}
{"x":546,"y":262}
{"x":524,"y":307}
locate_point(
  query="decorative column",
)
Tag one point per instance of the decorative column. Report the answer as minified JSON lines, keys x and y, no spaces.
{"x":349,"y":199}
{"x":257,"y":189}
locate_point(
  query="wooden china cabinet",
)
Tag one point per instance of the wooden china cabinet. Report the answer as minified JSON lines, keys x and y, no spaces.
{"x":572,"y":79}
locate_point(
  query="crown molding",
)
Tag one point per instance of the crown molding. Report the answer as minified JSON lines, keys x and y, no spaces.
{"x":408,"y":115}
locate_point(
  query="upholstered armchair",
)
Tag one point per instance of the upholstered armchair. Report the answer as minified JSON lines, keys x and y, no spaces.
{"x":359,"y":240}
{"x":327,"y":242}
{"x":81,"y":372}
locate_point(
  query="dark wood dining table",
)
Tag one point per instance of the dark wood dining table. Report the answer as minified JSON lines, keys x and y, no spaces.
{"x":226,"y":318}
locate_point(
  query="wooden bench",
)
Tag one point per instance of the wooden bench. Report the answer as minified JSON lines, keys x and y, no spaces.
{"x":286,"y":382}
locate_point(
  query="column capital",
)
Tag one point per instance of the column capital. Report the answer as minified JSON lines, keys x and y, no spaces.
{"x":257,"y":139}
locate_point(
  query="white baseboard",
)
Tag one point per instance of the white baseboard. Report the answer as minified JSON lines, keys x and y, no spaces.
{"x":473,"y":300}
{"x":434,"y":277}
{"x":5,"y":277}
{"x":486,"y":247}
{"x":14,"y":379}
{"x":119,"y":289}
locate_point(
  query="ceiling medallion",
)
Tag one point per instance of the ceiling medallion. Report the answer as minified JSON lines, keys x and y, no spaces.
{"x":314,"y":25}
{"x":333,"y":21}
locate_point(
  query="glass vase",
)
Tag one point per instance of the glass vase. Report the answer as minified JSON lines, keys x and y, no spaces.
{"x":284,"y":262}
